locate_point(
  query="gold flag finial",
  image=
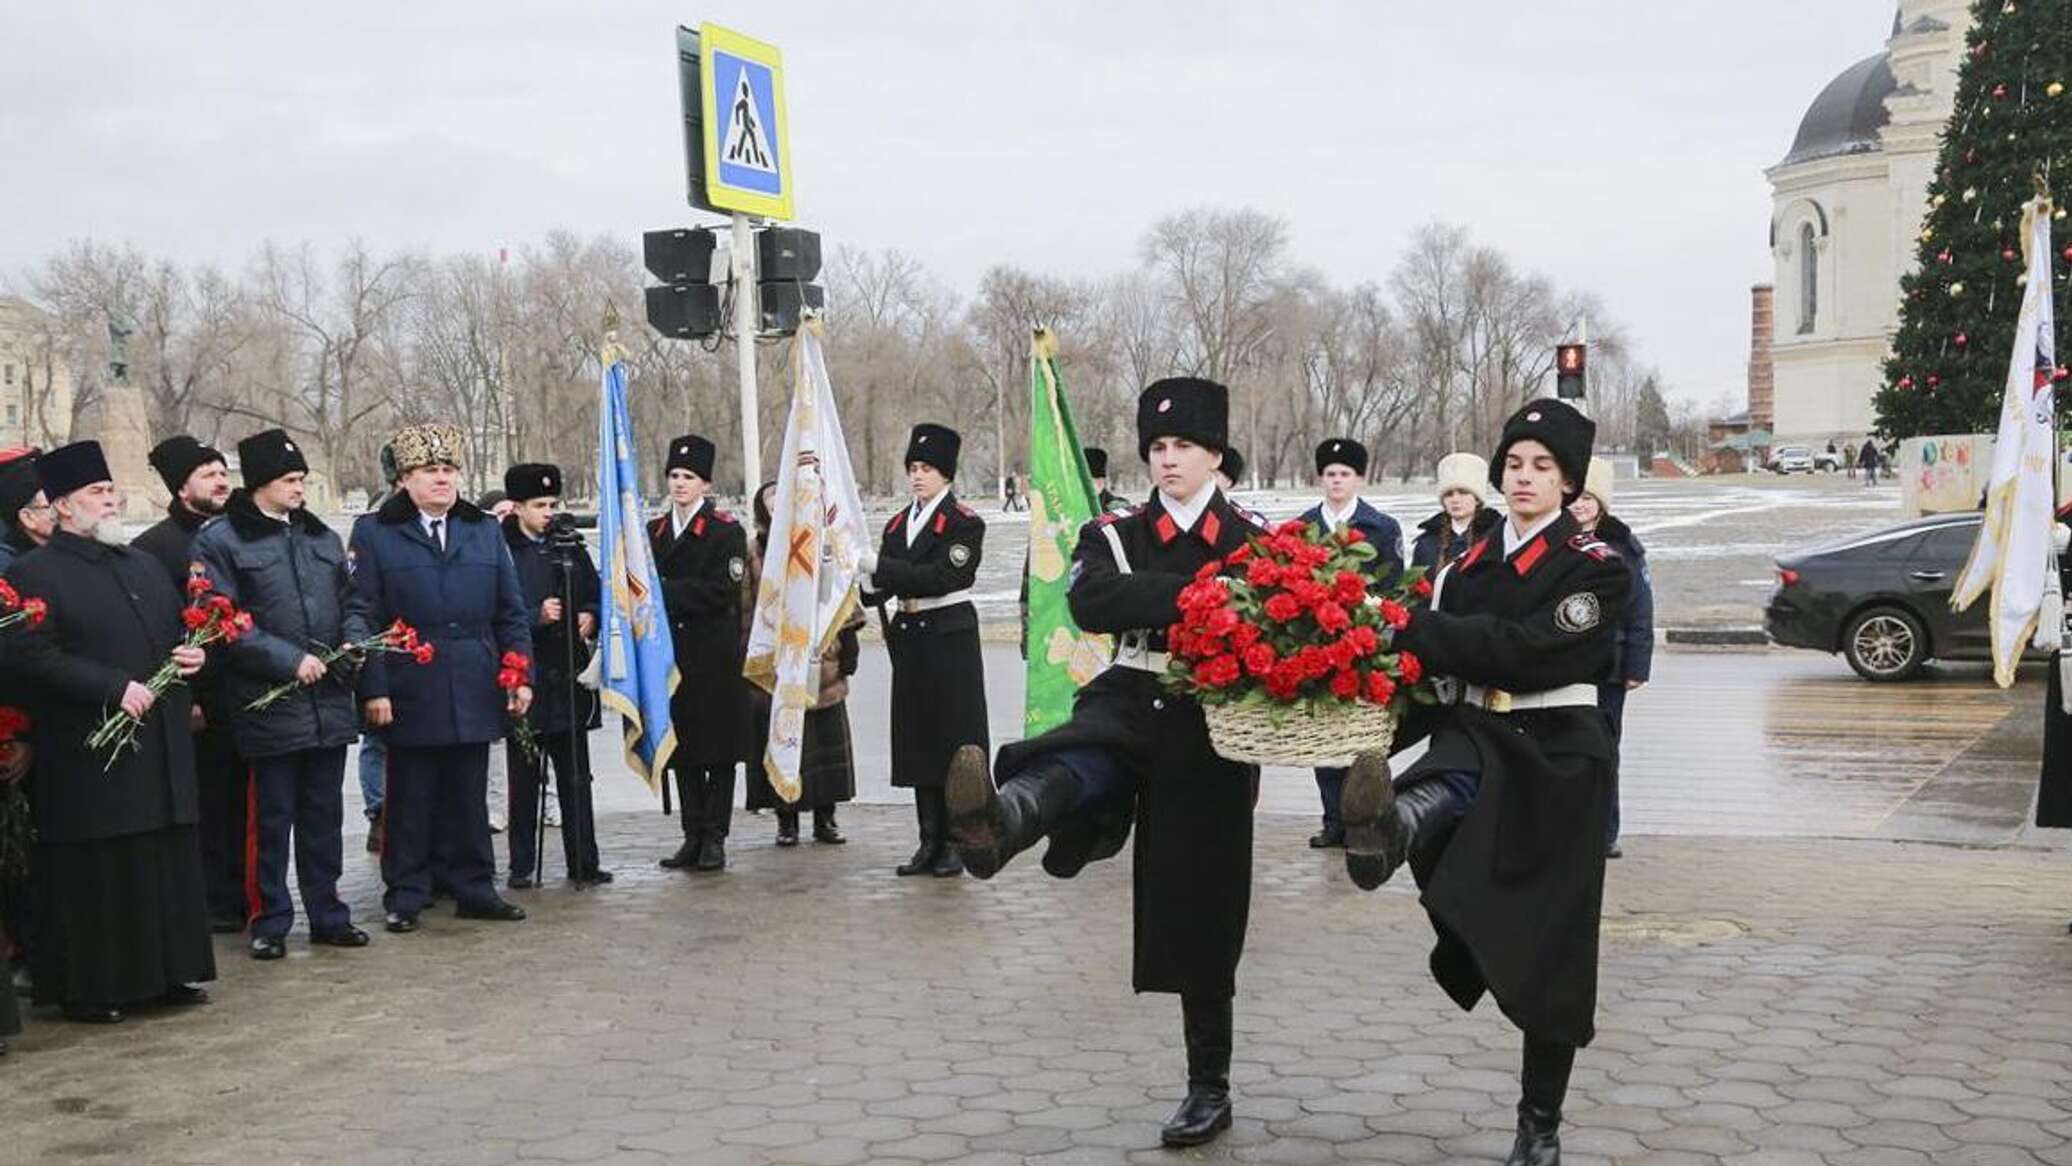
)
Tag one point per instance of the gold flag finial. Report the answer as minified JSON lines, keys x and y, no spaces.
{"x":611,"y":353}
{"x":1044,"y":343}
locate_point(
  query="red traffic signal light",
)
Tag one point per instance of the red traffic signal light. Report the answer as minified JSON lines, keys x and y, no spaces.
{"x":1570,"y":363}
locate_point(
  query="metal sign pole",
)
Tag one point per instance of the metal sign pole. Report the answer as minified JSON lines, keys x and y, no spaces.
{"x":744,"y":351}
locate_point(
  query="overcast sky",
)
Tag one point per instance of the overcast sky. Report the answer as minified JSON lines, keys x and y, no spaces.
{"x":1614,"y":145}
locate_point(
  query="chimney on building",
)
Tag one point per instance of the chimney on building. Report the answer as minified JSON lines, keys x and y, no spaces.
{"x":1762,"y":371}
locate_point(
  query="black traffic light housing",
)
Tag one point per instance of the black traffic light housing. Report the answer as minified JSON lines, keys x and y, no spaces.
{"x":687,"y":305}
{"x":1571,"y":363}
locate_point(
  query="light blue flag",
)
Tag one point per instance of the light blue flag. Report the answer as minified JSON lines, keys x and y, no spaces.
{"x":636,"y":661}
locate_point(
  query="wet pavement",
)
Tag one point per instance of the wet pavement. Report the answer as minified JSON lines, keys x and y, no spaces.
{"x":1797,"y":969}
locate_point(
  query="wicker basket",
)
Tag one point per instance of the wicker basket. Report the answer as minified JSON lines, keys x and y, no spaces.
{"x":1325,"y":739}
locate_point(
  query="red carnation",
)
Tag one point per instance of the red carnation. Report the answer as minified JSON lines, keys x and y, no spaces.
{"x":422,"y":653}
{"x":1308,"y":592}
{"x":1218,"y":672}
{"x":220,"y":604}
{"x":1342,"y":653}
{"x":1223,"y":622}
{"x":1294,"y":528}
{"x":1352,"y":536}
{"x":1239,"y":555}
{"x":516,"y":662}
{"x":1395,"y":614}
{"x":510,"y":678}
{"x":1423,"y":589}
{"x":1332,"y":618}
{"x":1311,"y":555}
{"x":1284,"y":681}
{"x":1345,"y":685}
{"x":1348,"y":588}
{"x":1260,"y":659}
{"x":198,"y":585}
{"x":13,"y":722}
{"x":1380,"y":689}
{"x":35,"y":609}
{"x":1283,"y":609}
{"x":1245,"y":636}
{"x":1208,"y":570}
{"x":193,"y":617}
{"x":1411,"y":667}
{"x":9,"y":597}
{"x":1262,"y":573}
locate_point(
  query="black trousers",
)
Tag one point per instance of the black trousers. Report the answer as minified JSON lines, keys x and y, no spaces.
{"x":437,"y":804}
{"x":571,"y":785}
{"x":302,"y":794}
{"x":222,"y":784}
{"x":705,"y":796}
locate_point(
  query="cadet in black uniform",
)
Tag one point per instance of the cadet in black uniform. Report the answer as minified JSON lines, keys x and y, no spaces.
{"x":1134,"y":750}
{"x":922,"y":575}
{"x":1503,"y":819}
{"x":701,"y":555}
{"x":561,"y":732}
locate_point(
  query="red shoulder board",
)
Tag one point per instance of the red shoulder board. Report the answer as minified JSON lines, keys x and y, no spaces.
{"x":1475,"y":553}
{"x":966,"y":511}
{"x":898,"y":520}
{"x":1594,"y":547}
{"x":719,"y":515}
{"x":942,"y":523}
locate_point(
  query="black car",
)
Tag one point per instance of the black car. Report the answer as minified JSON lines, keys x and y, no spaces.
{"x":1883,"y":599}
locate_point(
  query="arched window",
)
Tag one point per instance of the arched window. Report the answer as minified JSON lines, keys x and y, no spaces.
{"x":1809,"y":279}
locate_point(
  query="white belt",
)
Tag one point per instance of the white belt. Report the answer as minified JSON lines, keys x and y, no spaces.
{"x":1496,"y":700}
{"x":911,"y":606}
{"x":1134,"y":651}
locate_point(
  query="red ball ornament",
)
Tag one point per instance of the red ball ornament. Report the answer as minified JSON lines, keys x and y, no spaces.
{"x":1963,"y":340}
{"x":1944,"y":257}
{"x":2000,"y":92}
{"x":2008,"y":253}
{"x":2062,"y":374}
{"x":1979,"y":50}
{"x":1906,"y":382}
{"x":1934,"y":380}
{"x":2067,"y":253}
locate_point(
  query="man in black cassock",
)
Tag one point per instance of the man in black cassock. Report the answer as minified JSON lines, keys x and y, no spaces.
{"x":122,"y":919}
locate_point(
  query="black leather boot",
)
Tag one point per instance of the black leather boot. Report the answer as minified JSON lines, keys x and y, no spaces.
{"x":1539,"y":1138}
{"x":1390,"y":822}
{"x":787,"y":827}
{"x":1206,"y":1111}
{"x":926,"y":811}
{"x":990,"y":825}
{"x":718,"y":810}
{"x":824,"y":828}
{"x":690,"y":800}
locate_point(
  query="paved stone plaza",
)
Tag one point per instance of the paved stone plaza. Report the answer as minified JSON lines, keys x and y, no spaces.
{"x":1792,"y":1001}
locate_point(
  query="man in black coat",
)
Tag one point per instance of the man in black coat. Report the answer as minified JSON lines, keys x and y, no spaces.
{"x":561,"y":591}
{"x":1134,"y":750}
{"x":200,"y":484}
{"x":1503,"y":818}
{"x":1342,"y":472}
{"x":122,"y":917}
{"x":922,"y":573}
{"x":701,"y":557}
{"x":439,"y":565}
{"x":279,"y":563}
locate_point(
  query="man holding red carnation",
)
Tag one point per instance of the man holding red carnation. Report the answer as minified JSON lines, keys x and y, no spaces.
{"x":1136,"y":752}
{"x":440,"y":565}
{"x":283,"y":566}
{"x":1503,"y":818}
{"x":122,"y":917}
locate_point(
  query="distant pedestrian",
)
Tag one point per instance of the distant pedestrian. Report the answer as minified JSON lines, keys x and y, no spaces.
{"x":1849,"y":461}
{"x":1869,"y":458}
{"x":1633,"y":649}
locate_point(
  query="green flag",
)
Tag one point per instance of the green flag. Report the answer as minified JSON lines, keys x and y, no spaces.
{"x":1061,"y":500}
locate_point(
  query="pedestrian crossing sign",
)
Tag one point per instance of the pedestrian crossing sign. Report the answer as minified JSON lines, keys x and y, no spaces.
{"x":747,"y":155}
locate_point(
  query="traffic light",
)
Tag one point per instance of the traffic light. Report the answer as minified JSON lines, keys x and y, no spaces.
{"x":1570,"y":363}
{"x":787,"y":261}
{"x":687,"y":305}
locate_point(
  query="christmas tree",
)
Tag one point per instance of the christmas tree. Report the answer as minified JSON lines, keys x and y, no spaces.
{"x":2012,"y":122}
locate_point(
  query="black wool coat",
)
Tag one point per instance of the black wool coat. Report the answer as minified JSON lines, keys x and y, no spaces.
{"x":1515,"y":893}
{"x":1193,"y":810}
{"x":938,"y":669}
{"x":539,"y":577}
{"x":2054,"y":784}
{"x":291,"y":577}
{"x":114,"y":618}
{"x":701,"y":576}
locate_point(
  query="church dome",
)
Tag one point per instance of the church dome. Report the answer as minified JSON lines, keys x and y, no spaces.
{"x":1846,"y":117}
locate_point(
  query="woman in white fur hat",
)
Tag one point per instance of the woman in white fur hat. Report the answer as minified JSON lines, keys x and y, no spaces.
{"x":1464,"y":513}
{"x":1634,"y":655}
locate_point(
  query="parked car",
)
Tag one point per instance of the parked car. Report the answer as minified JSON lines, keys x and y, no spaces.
{"x":1883,"y":599}
{"x":1792,"y":459}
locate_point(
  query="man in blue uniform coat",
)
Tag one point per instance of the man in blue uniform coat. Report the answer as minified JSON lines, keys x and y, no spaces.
{"x":440,"y":565}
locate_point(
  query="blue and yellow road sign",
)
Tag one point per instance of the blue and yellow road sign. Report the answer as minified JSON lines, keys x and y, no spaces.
{"x":747,"y":154}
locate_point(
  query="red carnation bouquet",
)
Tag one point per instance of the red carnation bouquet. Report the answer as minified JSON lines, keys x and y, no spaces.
{"x":1286,"y":647}
{"x":210,"y":619}
{"x":17,"y":820}
{"x":398,"y":638}
{"x":16,"y":610}
{"x":513,"y":673}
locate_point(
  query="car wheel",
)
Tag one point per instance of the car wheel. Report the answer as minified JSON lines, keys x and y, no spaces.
{"x":1885,"y":644}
